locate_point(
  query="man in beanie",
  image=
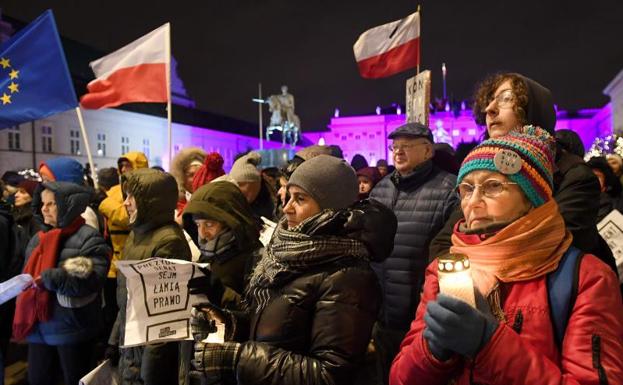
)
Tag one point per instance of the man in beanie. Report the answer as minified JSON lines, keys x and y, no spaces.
{"x":506,"y":102}
{"x":259,"y":194}
{"x":422,"y":197}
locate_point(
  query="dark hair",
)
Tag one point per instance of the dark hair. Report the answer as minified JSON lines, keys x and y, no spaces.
{"x":485,"y":91}
{"x":613,"y":184}
{"x":292,"y":165}
{"x":570,"y":141}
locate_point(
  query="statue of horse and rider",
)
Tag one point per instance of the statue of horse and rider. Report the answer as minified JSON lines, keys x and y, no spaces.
{"x":283,"y":117}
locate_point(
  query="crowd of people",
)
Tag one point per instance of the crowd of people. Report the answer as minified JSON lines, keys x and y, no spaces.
{"x":350,"y":287}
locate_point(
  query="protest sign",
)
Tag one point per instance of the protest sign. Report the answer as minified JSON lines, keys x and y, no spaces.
{"x":611,"y":230}
{"x":159,"y":302}
{"x":418,"y":98}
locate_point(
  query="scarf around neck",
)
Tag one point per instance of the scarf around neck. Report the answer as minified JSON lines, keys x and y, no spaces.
{"x":216,"y":250}
{"x":34,"y":304}
{"x":297,"y":250}
{"x":528,"y":248}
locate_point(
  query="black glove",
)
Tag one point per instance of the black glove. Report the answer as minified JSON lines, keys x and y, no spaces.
{"x":205,"y":315}
{"x":201,"y":284}
{"x":112,"y":353}
{"x":217,"y":362}
{"x":452,"y":324}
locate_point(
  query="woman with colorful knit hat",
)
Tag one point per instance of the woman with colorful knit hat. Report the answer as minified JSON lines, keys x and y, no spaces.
{"x":313,"y":297}
{"x":505,"y":102}
{"x":514,"y":238}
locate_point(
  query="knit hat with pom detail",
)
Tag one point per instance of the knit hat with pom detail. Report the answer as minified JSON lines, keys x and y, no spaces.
{"x":211,"y":169}
{"x":525,"y":156}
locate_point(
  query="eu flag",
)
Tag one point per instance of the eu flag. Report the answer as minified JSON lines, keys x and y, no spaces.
{"x":34,"y":79}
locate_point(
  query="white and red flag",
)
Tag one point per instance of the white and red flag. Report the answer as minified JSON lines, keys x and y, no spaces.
{"x":134,"y":73}
{"x":389,"y":48}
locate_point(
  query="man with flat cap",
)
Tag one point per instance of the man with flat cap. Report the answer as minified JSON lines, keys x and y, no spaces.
{"x":422,"y":197}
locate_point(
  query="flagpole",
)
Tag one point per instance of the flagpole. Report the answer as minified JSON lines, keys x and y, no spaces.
{"x":168,"y":75}
{"x":259,"y":87}
{"x":86,"y":144}
{"x":419,"y":48}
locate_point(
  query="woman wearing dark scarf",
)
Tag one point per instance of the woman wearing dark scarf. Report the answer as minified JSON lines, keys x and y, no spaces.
{"x":60,"y":315}
{"x":312,"y":298}
{"x":514,"y":236}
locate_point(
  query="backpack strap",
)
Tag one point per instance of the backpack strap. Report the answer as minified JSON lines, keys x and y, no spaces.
{"x":562,"y":289}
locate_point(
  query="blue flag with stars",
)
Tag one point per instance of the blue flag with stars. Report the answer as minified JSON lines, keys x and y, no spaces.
{"x":34,"y":79}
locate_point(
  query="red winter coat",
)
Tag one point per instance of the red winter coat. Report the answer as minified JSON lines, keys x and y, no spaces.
{"x":530,"y":356}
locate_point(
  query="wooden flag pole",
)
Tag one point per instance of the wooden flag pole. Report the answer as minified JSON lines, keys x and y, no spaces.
{"x":168,"y":77}
{"x":86,"y":145}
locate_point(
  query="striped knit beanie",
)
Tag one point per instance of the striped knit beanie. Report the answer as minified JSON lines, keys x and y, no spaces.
{"x":525,"y":156}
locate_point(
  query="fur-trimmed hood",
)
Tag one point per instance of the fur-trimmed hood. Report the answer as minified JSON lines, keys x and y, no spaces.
{"x":182,"y":161}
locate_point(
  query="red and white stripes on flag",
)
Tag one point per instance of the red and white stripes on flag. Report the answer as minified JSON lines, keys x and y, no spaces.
{"x":134,"y":73}
{"x":389,"y":48}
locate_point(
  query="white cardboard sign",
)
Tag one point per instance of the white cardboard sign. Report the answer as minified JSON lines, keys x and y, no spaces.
{"x":611,"y":230}
{"x":159,"y":302}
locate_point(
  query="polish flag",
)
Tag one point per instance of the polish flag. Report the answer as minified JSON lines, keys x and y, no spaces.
{"x":134,"y":73}
{"x":389,"y":48}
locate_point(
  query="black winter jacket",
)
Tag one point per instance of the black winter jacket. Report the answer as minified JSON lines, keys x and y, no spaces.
{"x":79,"y":277}
{"x":316,"y":328}
{"x":422,"y":203}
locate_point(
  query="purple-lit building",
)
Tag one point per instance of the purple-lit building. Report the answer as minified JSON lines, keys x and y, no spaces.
{"x":367,"y":135}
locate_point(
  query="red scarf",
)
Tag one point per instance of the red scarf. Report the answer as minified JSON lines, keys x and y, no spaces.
{"x":33,"y":305}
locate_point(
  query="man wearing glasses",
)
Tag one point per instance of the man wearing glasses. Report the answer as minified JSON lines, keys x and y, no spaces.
{"x":422,"y":197}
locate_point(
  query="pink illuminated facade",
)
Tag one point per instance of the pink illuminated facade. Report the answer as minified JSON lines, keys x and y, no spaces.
{"x":367,"y":135}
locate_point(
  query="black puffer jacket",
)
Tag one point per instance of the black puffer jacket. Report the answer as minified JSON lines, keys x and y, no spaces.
{"x":422,"y":203}
{"x":317,"y":326}
{"x":80,"y":274}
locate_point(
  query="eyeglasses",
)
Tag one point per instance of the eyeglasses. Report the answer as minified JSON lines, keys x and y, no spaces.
{"x":490,"y":188}
{"x":504,"y":99}
{"x":402,"y":147}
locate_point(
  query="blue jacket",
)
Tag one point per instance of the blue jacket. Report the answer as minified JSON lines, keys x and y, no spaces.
{"x":422,"y":202}
{"x":80,"y":274}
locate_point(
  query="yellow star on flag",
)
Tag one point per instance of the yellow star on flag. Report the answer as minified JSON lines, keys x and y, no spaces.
{"x":14,"y":87}
{"x":6,"y":99}
{"x":14,"y":74}
{"x":4,"y":62}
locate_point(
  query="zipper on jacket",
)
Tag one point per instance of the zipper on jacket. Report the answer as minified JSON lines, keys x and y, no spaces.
{"x":596,"y":349}
{"x":518,"y":323}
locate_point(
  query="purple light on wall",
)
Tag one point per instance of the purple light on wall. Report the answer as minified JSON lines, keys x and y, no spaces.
{"x":367,"y":135}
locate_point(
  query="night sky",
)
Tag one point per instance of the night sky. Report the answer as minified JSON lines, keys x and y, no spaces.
{"x":224,"y":48}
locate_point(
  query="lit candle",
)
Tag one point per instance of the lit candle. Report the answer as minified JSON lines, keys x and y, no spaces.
{"x":455,"y":278}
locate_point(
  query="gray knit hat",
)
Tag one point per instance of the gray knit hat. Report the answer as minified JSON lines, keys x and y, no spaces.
{"x":332,"y":182}
{"x":245,"y":168}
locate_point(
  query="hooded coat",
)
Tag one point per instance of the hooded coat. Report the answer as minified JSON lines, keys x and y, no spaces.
{"x":116,"y":215}
{"x":576,"y":188}
{"x":154,"y":234}
{"x":223,"y":202}
{"x":181,"y":162}
{"x":317,"y":326}
{"x":79,"y":276}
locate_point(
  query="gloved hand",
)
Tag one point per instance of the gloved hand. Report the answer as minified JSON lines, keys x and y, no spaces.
{"x":204,"y":315}
{"x":112,"y":353}
{"x":201,"y":284}
{"x":217,"y":362}
{"x":454,"y":325}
